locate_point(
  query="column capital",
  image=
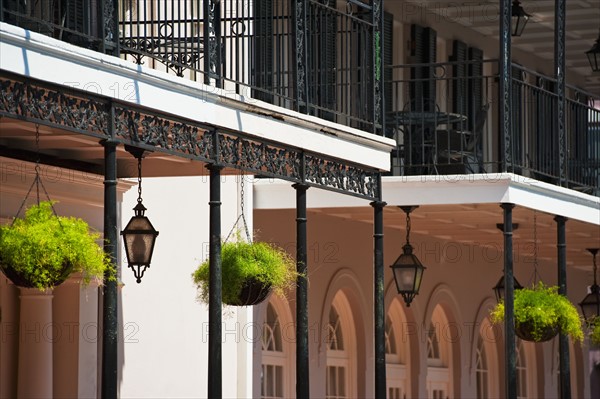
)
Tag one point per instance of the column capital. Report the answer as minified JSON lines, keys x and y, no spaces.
{"x":378,"y":204}
{"x":300,"y":186}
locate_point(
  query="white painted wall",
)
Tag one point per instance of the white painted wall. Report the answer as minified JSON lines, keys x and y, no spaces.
{"x":165,"y":329}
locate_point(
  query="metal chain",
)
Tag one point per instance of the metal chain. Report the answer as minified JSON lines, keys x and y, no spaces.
{"x":139,"y":200}
{"x":37,"y":181}
{"x":242,"y":193}
{"x":243,"y":215}
{"x":37,"y":162}
{"x":536,"y":275}
{"x":535,"y":246}
{"x":594,"y":265}
{"x":408,"y":227}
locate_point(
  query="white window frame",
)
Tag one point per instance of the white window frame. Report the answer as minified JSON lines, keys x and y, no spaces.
{"x":347,"y":356}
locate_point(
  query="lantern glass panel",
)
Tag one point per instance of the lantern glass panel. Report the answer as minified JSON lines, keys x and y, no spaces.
{"x":590,"y":306}
{"x":405,"y":278}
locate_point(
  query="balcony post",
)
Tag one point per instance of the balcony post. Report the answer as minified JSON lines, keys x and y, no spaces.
{"x":505,"y":89}
{"x":302,"y":363}
{"x":110,"y":295}
{"x":212,"y":41}
{"x":563,"y":340}
{"x":559,"y":71}
{"x":379,"y":304}
{"x":378,"y":107}
{"x":300,"y":32}
{"x":510,"y":349}
{"x":108,"y":23}
{"x":215,"y":283}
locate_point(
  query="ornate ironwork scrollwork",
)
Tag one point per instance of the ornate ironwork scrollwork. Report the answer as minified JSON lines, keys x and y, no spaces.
{"x":110,"y":27}
{"x":300,"y":29}
{"x":162,"y":133}
{"x":340,"y":176}
{"x":178,"y":137}
{"x":53,"y":107}
{"x":259,"y":157}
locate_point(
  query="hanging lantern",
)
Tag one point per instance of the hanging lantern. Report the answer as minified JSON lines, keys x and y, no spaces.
{"x":139,"y":235}
{"x":499,"y":288}
{"x":593,"y":55}
{"x":590,"y":305}
{"x":408,"y":269}
{"x":519,"y":18}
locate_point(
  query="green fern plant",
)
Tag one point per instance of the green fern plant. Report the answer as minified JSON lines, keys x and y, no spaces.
{"x":594,"y":326}
{"x":542,"y":307}
{"x":41,"y":250}
{"x":242,"y":262}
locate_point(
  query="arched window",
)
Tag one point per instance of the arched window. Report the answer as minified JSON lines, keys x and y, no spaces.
{"x":486,"y":362}
{"x":481,"y":370}
{"x":438,"y":357}
{"x":526,"y":367}
{"x":340,"y":341}
{"x":395,"y":354}
{"x":433,"y":346}
{"x":273,"y":373}
{"x":391,"y":351}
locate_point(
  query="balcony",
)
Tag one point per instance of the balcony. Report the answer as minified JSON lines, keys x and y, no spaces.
{"x":321,"y":64}
{"x":444,"y":117}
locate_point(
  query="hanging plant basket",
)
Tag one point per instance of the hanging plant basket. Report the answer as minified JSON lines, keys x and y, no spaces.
{"x":540,"y":313}
{"x":253,"y":292}
{"x":527,"y":332}
{"x":23,"y":279}
{"x":250,"y":271}
{"x":41,"y":250}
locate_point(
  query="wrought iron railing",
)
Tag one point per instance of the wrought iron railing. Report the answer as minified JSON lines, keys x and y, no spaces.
{"x":86,"y":23}
{"x":255,"y":50}
{"x":308,"y":56}
{"x":445,"y":122}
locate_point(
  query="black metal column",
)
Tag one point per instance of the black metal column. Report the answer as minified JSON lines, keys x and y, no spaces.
{"x":109,"y":298}
{"x":509,"y":306}
{"x":212,"y":46}
{"x":378,"y":293}
{"x":109,"y":34}
{"x":563,"y":340}
{"x":215,"y":286}
{"x":378,"y":107}
{"x":300,"y":47}
{"x":505,"y":92}
{"x":302,"y":369}
{"x":559,"y":71}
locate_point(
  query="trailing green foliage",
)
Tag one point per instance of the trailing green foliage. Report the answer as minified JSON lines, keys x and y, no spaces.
{"x":242,"y":261}
{"x":595,"y":330}
{"x":542,"y":306}
{"x":43,"y":249}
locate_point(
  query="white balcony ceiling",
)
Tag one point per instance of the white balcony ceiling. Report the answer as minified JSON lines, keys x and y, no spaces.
{"x":582,"y":26}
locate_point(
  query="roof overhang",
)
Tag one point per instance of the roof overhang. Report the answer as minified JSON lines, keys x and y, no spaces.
{"x":463,"y":210}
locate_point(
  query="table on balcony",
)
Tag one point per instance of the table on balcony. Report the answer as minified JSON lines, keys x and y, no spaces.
{"x":415,"y":134}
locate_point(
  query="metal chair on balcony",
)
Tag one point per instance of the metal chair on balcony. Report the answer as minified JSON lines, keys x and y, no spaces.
{"x":458,"y":150}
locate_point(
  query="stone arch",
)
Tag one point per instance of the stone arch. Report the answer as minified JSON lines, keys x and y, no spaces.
{"x":345,"y":283}
{"x":443,"y":300}
{"x":284,"y":357}
{"x":411,"y":331}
